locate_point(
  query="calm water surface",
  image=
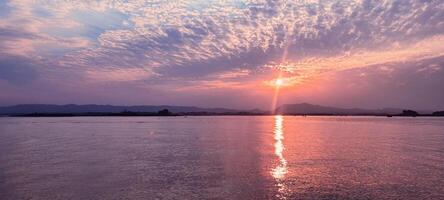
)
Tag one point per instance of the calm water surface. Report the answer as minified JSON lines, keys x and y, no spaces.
{"x":233,"y":157}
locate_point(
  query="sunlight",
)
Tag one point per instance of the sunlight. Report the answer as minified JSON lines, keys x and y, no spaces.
{"x":281,"y":169}
{"x":279,"y":82}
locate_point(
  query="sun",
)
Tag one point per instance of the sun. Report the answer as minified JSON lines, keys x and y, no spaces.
{"x":279,"y":82}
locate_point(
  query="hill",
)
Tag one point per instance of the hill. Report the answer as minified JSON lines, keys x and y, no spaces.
{"x":287,"y":109}
{"x":73,"y":108}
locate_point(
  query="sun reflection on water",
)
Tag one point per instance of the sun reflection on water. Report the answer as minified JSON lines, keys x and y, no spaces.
{"x":281,"y":169}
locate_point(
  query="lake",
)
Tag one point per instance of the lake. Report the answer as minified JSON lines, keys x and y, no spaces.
{"x":222,"y":157}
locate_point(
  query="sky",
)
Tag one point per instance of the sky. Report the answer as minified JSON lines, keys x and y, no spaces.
{"x":223,"y":53}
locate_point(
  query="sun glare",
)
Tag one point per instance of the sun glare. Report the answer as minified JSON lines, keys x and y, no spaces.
{"x":279,"y":82}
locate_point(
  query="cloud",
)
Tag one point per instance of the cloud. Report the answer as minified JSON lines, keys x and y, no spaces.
{"x":205,"y":44}
{"x":4,"y":8}
{"x":413,"y":85}
{"x":117,"y":75}
{"x":17,"y":70}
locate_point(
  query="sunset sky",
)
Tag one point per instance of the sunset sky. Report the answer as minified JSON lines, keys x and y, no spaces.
{"x":223,"y":53}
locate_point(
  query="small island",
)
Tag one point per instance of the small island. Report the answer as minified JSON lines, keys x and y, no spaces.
{"x":438,"y":113}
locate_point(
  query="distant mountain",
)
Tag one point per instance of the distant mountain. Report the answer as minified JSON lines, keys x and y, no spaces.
{"x":72,"y":108}
{"x":310,"y":109}
{"x":290,"y":109}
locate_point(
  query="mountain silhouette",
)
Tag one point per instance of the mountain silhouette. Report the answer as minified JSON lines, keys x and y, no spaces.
{"x":287,"y":109}
{"x":73,"y":108}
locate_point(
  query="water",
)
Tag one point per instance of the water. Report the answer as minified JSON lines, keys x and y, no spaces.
{"x":232,"y":157}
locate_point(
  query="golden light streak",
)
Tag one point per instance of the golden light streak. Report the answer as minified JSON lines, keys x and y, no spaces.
{"x":281,"y":169}
{"x":275,"y":99}
{"x":283,"y":60}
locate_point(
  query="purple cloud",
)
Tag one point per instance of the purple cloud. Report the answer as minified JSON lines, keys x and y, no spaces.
{"x":196,"y":45}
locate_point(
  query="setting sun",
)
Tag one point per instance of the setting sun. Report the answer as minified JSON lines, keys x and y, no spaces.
{"x":279,"y":82}
{"x":222,"y":99}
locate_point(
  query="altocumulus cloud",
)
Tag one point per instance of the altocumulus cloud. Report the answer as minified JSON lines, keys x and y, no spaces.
{"x":196,"y":42}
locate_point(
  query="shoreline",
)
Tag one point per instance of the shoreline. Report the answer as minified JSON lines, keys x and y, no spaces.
{"x":201,"y":114}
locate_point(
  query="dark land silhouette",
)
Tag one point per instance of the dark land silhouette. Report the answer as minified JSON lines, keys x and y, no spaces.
{"x":72,"y":110}
{"x":311,"y":109}
{"x":409,"y":113}
{"x":164,"y":112}
{"x":438,"y":113}
{"x":92,"y":108}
